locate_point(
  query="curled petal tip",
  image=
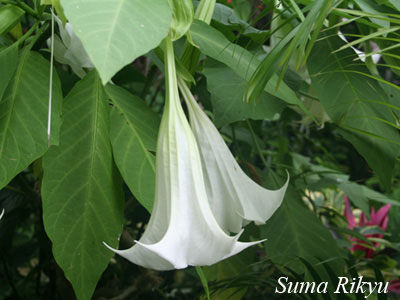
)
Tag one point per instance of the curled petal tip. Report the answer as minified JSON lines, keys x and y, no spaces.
{"x":234,"y":197}
{"x":110,"y":248}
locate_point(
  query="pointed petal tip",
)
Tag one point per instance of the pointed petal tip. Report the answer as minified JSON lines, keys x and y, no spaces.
{"x":237,"y":236}
{"x":110,"y":248}
{"x":2,"y":213}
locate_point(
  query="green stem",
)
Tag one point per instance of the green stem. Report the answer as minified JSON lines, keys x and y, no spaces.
{"x":191,"y":55}
{"x":38,"y":35}
{"x":204,"y":282}
{"x":28,"y":9}
{"x":28,"y":33}
{"x":261,"y":154}
{"x":170,"y":74}
{"x":254,"y":137}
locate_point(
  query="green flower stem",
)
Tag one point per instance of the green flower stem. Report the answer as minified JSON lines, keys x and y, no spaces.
{"x":172,"y":93}
{"x":191,"y":55}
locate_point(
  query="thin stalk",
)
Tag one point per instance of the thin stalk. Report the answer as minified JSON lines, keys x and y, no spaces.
{"x":51,"y":79}
{"x":27,"y":34}
{"x":260,"y":152}
{"x":28,"y":9}
{"x":38,"y":34}
{"x":254,"y":137}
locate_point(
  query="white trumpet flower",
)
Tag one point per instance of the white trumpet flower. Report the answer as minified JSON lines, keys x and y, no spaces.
{"x":182,"y":229}
{"x":69,"y":49}
{"x":235,"y":199}
{"x":2,"y":213}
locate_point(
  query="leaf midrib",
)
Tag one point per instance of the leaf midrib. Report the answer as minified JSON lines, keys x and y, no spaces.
{"x":352,"y":87}
{"x":17,"y":79}
{"x":111,"y":32}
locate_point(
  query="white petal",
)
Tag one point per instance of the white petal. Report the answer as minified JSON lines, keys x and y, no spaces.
{"x":59,"y":49}
{"x":77,"y":53}
{"x":375,"y":57}
{"x":64,"y":32}
{"x":182,"y":230}
{"x":71,"y":50}
{"x":2,"y":213}
{"x":235,"y":199}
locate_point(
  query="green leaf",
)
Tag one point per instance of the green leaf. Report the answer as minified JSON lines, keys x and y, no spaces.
{"x":116,"y":32}
{"x":82,"y":190}
{"x":24,"y":113}
{"x":134,"y":128}
{"x":357,"y":104}
{"x":227,"y":100}
{"x":227,"y":270}
{"x":360,"y":194}
{"x":8,"y":65}
{"x":214,"y":44}
{"x":396,"y":4}
{"x":293,"y":231}
{"x":242,"y":8}
{"x":9,"y":17}
{"x":371,"y":7}
{"x":228,"y":17}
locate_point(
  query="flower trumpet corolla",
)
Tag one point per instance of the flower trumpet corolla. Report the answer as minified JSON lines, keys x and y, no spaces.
{"x":182,"y":229}
{"x":379,"y":219}
{"x":235,"y":199}
{"x":69,"y":50}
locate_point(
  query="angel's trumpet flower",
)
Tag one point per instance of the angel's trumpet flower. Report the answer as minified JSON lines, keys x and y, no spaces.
{"x":182,"y":229}
{"x":69,"y":50}
{"x":235,"y":199}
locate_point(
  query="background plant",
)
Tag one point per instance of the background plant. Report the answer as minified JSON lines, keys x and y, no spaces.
{"x":281,"y":84}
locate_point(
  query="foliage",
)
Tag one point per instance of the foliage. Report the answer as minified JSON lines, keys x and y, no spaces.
{"x":311,"y":88}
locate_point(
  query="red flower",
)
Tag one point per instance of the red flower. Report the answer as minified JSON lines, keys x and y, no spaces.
{"x":379,"y":219}
{"x":394,"y":286}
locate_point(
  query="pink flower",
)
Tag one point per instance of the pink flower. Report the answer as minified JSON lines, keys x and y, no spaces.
{"x":394,"y":286}
{"x":379,"y":218}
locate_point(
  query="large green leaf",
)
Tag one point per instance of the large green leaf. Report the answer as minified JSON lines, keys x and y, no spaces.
{"x":357,"y":103}
{"x":294,"y":231}
{"x":9,"y":16}
{"x":115,"y":32}
{"x":227,"y":100}
{"x":360,"y":194}
{"x":8,"y":65}
{"x":82,"y":190}
{"x":24,"y":113}
{"x":134,"y":128}
{"x":214,"y":44}
{"x":228,"y":17}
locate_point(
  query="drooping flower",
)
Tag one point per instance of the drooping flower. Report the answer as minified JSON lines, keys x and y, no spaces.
{"x":379,"y":219}
{"x":235,"y":199}
{"x":182,"y":229}
{"x":69,"y":50}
